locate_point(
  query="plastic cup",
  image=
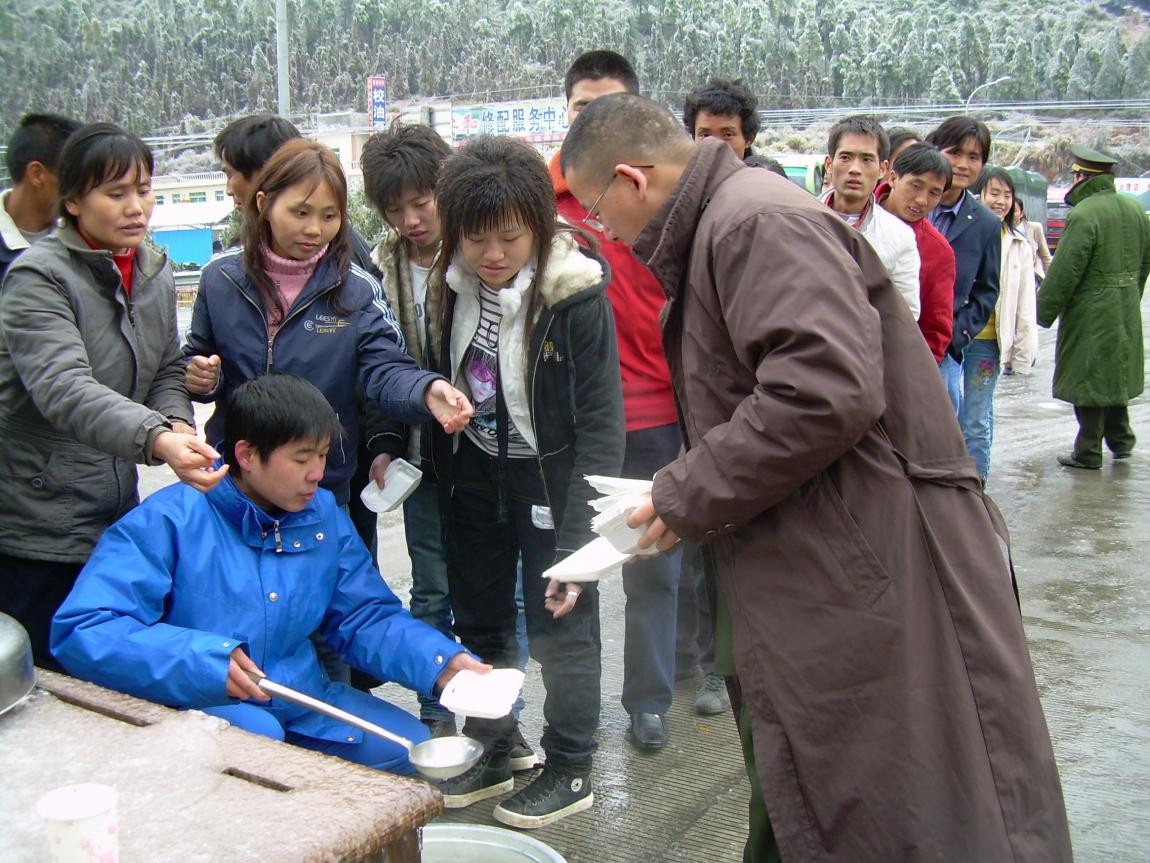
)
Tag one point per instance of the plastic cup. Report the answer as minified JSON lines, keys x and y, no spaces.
{"x":80,"y":821}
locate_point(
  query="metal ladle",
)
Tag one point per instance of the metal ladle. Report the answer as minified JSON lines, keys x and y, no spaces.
{"x":438,"y":758}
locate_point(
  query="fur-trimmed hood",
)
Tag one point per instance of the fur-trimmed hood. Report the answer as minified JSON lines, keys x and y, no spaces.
{"x":570,"y":272}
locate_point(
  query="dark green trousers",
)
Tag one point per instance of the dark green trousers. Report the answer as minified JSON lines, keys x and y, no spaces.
{"x":1111,"y":424}
{"x":760,"y":847}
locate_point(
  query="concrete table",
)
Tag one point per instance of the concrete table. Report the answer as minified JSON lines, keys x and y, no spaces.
{"x":194,"y":789}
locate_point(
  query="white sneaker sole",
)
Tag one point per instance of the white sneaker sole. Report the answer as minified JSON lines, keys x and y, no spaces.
{"x":458,"y":801}
{"x":524,"y":762}
{"x":530,"y":822}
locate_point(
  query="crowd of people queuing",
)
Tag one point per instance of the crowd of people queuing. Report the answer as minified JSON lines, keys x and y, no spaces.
{"x":640,"y":306}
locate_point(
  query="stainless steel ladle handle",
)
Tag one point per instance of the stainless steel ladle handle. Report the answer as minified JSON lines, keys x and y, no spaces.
{"x":285,"y":693}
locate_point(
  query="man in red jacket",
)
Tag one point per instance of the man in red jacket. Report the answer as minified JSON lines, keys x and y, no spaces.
{"x":917,"y":181}
{"x":653,"y":437}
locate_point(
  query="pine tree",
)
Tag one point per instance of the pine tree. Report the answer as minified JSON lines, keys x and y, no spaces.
{"x":1111,"y":68}
{"x":1136,"y":76}
{"x":1083,"y":72}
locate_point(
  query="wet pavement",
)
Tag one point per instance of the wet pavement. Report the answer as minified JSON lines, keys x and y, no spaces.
{"x":1081,"y":544}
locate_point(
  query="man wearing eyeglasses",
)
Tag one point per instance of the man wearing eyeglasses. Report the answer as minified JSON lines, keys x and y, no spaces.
{"x":653,"y":436}
{"x":1094,"y":289}
{"x":888,"y":707}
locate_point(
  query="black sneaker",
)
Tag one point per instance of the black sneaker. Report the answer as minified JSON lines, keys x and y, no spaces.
{"x":490,"y":777}
{"x":522,"y":756}
{"x":553,"y":795}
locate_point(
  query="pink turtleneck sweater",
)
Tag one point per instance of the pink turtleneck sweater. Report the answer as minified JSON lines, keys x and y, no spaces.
{"x":289,"y":276}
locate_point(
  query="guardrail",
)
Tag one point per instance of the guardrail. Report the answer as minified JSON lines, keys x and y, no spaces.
{"x":187,"y":283}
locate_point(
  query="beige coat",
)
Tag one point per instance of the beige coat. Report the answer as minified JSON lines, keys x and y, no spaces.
{"x":876,"y":635}
{"x":1016,"y":312}
{"x":1042,"y":256}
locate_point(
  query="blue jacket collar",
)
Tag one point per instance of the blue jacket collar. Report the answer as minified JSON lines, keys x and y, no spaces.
{"x":256,"y":527}
{"x":326,"y":276}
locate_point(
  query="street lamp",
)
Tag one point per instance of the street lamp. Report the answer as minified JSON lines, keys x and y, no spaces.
{"x":966,"y":110}
{"x":282,"y":54}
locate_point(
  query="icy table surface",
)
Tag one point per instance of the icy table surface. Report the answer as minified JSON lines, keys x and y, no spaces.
{"x":175,"y":800}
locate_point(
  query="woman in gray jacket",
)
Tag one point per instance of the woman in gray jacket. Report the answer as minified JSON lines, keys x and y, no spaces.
{"x":91,"y":377}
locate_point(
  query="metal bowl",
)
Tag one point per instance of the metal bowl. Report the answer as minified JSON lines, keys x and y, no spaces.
{"x":445,"y":757}
{"x":478,"y":843}
{"x":17,"y":676}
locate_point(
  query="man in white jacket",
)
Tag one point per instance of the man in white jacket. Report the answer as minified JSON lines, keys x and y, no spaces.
{"x":858,"y":157}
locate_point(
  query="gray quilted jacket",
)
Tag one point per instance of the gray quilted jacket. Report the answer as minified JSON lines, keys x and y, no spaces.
{"x":88,"y":378}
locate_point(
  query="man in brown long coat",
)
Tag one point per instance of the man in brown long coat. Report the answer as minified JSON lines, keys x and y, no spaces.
{"x":889,"y":705}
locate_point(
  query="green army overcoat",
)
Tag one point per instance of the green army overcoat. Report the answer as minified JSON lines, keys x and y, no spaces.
{"x":1094,"y":288}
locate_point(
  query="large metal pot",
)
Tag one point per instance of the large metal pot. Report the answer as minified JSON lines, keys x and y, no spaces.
{"x":17,"y":676}
{"x":478,"y":843}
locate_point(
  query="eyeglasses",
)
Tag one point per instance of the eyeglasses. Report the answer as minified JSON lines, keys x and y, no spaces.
{"x":591,"y":220}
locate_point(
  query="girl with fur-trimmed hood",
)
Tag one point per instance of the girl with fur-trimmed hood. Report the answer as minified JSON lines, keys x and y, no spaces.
{"x":528,"y":333}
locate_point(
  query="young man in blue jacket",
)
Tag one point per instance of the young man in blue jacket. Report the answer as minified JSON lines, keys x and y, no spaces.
{"x":189,"y":592}
{"x":973,"y":233}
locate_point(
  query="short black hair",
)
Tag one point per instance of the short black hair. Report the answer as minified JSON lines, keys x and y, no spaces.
{"x":406,"y":156}
{"x":920,"y":159}
{"x":95,"y":154}
{"x":757,"y":161}
{"x":859,"y":124}
{"x":247,"y":143}
{"x":899,"y":135}
{"x":952,"y":131}
{"x":274,"y":410}
{"x":38,"y":138}
{"x":597,"y":65}
{"x":621,"y":127}
{"x":724,"y":98}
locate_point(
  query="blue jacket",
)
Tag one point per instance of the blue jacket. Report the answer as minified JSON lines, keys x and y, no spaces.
{"x":974,"y":237}
{"x":357,"y":350}
{"x":182,"y":580}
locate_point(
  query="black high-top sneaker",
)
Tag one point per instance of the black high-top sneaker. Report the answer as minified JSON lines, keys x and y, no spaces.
{"x":522,"y":755}
{"x":554,"y":794}
{"x":489,"y":777}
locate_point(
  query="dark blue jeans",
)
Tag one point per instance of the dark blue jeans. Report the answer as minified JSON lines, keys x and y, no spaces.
{"x":487,"y":541}
{"x":430,"y":602}
{"x":650,"y":584}
{"x":695,"y":630}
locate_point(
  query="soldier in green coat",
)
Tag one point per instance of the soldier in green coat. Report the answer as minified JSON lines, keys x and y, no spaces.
{"x":1094,"y":288}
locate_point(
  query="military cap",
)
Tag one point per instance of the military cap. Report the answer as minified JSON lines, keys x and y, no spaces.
{"x":1087,"y":161}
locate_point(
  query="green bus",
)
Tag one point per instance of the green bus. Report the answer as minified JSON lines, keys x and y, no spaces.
{"x":1031,"y":190}
{"x":805,"y":171}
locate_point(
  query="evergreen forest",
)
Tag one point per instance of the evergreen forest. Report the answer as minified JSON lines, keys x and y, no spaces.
{"x":154,"y":64}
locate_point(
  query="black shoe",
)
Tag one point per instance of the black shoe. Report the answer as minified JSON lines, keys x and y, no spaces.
{"x":553,"y":795}
{"x":490,"y":777}
{"x":1123,"y":454}
{"x":1071,"y":461}
{"x":648,"y":730}
{"x":440,"y":727}
{"x":522,"y":756}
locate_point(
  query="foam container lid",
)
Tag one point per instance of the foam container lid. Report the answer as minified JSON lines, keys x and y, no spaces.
{"x":487,"y":695}
{"x":590,"y":563}
{"x":399,"y":480}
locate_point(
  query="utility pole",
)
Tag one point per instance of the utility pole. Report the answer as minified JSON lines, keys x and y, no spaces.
{"x":282,"y":58}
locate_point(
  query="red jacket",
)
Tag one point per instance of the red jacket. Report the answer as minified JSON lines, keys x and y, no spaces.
{"x":935,"y":281}
{"x":636,"y":299}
